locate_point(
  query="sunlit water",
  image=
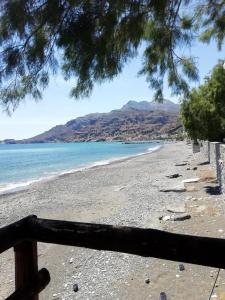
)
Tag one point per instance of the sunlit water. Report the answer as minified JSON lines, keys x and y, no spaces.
{"x":22,"y":164}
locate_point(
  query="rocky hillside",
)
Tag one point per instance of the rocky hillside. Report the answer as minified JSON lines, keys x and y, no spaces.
{"x":134,"y":121}
{"x":166,"y":106}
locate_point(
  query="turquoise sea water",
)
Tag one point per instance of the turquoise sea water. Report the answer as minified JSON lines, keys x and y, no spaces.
{"x":22,"y":164}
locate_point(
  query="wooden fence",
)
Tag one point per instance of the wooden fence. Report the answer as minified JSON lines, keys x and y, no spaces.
{"x":24,"y":235}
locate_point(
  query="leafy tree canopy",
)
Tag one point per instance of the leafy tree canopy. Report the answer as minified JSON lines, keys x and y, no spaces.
{"x":91,"y":41}
{"x":203,"y":112}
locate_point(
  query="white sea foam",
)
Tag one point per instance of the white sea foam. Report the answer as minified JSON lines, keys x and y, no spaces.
{"x":18,"y":186}
{"x":4,"y":188}
{"x":22,"y":185}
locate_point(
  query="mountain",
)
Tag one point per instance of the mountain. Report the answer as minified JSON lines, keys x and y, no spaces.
{"x":167,"y":106}
{"x":134,"y":121}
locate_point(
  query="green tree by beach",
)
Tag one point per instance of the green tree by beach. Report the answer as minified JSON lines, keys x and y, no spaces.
{"x":91,"y":41}
{"x":203,"y":112}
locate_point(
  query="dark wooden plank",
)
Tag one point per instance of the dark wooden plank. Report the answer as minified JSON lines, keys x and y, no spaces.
{"x":14,"y":233}
{"x":144,"y":242}
{"x":138,"y":241}
{"x":33,"y":287}
{"x":26,"y":264}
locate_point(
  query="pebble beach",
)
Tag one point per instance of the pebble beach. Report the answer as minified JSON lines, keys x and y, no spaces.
{"x":138,"y":192}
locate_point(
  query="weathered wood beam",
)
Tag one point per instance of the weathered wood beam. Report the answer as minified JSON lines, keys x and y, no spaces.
{"x":14,"y":233}
{"x":26,"y":264}
{"x":144,"y":242}
{"x":33,"y":287}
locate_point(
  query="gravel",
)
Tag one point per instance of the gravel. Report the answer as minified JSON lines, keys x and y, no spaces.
{"x":122,"y":193}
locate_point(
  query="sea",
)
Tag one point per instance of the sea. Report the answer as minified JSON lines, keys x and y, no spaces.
{"x":23,"y":164}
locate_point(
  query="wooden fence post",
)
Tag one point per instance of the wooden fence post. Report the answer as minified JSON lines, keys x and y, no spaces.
{"x":26,"y":264}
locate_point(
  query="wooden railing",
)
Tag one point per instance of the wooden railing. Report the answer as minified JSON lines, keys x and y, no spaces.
{"x":24,"y":235}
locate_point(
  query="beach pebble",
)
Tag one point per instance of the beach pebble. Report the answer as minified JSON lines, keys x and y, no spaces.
{"x":178,"y":188}
{"x":191,"y":180}
{"x":147,"y":280}
{"x":162,"y":296}
{"x":75,"y":287}
{"x":119,"y":188}
{"x":71,"y":260}
{"x":178,"y":217}
{"x":55,"y":295}
{"x":181,"y":217}
{"x":173,"y":176}
{"x":164,"y":218}
{"x":181,"y":267}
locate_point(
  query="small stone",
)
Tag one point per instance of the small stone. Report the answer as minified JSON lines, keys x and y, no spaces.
{"x":75,"y":287}
{"x":71,"y":260}
{"x":147,"y":280}
{"x":164,"y":218}
{"x":191,"y":180}
{"x":178,"y":188}
{"x":195,"y":168}
{"x":188,"y":169}
{"x":181,"y":164}
{"x":181,"y":217}
{"x":119,"y":188}
{"x":178,"y":217}
{"x":162,"y":296}
{"x":173,"y":176}
{"x":55,"y":295}
{"x":181,"y":267}
{"x":220,"y":230}
{"x":177,"y":275}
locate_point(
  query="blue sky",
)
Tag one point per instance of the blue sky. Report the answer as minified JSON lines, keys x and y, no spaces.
{"x":57,"y":107}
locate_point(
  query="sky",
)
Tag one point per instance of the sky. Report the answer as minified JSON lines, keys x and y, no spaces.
{"x":56,"y":107}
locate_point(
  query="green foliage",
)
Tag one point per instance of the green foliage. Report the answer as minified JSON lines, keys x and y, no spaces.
{"x":91,"y":41}
{"x":203,"y":112}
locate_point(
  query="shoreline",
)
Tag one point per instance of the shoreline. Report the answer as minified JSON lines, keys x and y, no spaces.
{"x":12,"y":188}
{"x":124,"y":193}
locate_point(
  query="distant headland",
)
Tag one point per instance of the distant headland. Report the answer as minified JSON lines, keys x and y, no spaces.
{"x":135,"y":121}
